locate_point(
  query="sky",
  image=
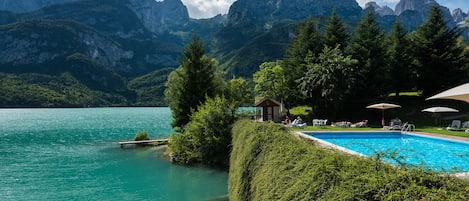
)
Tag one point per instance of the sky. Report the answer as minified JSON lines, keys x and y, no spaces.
{"x":209,"y":8}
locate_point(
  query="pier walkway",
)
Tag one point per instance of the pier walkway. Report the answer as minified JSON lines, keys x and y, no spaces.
{"x":163,"y":141}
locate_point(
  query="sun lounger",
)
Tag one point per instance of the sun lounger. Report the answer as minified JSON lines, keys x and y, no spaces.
{"x":363,"y":123}
{"x":455,"y":125}
{"x":319,"y":122}
{"x":341,"y":124}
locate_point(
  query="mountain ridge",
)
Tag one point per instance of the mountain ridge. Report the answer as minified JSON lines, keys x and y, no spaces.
{"x":136,"y":38}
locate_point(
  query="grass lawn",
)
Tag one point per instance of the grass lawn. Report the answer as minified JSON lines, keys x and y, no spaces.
{"x":436,"y":130}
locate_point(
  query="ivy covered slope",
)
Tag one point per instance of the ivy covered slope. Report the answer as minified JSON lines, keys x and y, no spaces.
{"x":267,"y":163}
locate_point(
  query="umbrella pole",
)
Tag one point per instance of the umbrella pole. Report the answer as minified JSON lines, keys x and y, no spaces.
{"x":382,"y":119}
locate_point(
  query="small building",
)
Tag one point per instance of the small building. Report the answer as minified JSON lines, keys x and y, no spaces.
{"x":268,"y":110}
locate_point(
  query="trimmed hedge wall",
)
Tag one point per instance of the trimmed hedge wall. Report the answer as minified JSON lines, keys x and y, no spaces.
{"x":268,"y":163}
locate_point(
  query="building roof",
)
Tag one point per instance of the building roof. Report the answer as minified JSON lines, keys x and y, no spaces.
{"x":267,"y":102}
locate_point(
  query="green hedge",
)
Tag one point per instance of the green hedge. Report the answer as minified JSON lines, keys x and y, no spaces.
{"x":267,"y":163}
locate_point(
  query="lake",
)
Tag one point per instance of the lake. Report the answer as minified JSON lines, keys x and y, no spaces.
{"x":73,"y":154}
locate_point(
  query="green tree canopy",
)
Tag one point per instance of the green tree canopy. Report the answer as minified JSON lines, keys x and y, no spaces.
{"x":308,"y":39}
{"x":368,"y":48}
{"x":438,"y":57}
{"x":191,"y":83}
{"x":332,"y":77}
{"x":336,"y":32}
{"x":208,"y":135}
{"x":271,"y":81}
{"x":239,"y":92}
{"x":399,"y":64}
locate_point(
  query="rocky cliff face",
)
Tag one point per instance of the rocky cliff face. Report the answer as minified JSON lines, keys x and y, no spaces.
{"x":414,"y":12}
{"x":262,"y":11}
{"x":22,"y":6}
{"x":414,"y":5}
{"x":459,"y":15}
{"x":382,"y":11}
{"x":38,"y":42}
{"x":160,"y":16}
{"x":157,"y":16}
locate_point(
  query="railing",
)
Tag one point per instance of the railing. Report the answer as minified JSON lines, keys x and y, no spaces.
{"x":408,"y":127}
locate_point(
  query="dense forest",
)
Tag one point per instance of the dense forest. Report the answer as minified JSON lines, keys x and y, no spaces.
{"x":328,"y":69}
{"x":332,"y":68}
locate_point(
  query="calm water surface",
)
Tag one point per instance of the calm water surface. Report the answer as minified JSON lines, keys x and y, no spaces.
{"x":72,"y":154}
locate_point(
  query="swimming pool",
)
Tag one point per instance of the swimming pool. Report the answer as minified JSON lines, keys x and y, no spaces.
{"x":431,"y":153}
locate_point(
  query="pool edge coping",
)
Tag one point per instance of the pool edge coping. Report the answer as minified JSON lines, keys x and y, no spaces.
{"x":325,"y":144}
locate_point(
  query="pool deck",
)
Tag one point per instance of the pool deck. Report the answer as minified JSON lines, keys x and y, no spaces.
{"x":464,"y":139}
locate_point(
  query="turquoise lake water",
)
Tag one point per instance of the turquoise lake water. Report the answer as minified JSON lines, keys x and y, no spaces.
{"x":73,"y":154}
{"x":431,"y":153}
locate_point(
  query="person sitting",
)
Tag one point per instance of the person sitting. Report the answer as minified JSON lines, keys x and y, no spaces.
{"x":394,"y":124}
{"x":287,"y":121}
{"x":298,"y":122}
{"x":363,"y":123}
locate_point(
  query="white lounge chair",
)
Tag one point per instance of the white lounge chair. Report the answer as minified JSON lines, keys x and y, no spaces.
{"x":394,"y":124}
{"x":455,"y":125}
{"x":298,"y":123}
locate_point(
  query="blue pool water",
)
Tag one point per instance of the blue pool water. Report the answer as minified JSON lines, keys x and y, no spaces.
{"x":73,"y":154}
{"x":431,"y":153}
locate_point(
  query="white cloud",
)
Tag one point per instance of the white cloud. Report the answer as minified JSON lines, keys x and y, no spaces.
{"x":207,"y":8}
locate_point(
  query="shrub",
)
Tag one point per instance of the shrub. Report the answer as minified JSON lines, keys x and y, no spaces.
{"x":268,"y":163}
{"x":207,"y":137}
{"x":301,"y":110}
{"x":141,"y":135}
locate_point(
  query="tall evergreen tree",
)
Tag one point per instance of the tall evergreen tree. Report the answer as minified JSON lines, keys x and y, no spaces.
{"x":308,"y":39}
{"x":400,"y":62}
{"x":336,"y":32}
{"x":438,"y":57}
{"x":368,"y":48}
{"x":191,"y":83}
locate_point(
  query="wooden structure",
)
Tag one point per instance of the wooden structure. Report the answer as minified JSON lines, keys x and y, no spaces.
{"x":144,"y":142}
{"x":268,"y":110}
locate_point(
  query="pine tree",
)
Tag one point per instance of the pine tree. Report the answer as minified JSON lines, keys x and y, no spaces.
{"x":308,"y":39}
{"x":191,"y":83}
{"x":368,"y":48}
{"x":336,"y":32}
{"x":400,"y":62}
{"x":438,"y":57}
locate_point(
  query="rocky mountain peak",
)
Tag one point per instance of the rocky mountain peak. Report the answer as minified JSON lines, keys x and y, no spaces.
{"x":159,"y":16}
{"x":261,"y":11}
{"x":414,"y":12}
{"x":382,"y":11}
{"x":459,"y":15}
{"x":414,"y":5}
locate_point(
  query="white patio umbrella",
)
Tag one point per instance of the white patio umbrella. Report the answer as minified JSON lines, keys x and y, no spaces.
{"x":436,"y":110}
{"x":440,"y":109}
{"x":460,"y":92}
{"x":383,"y":106}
